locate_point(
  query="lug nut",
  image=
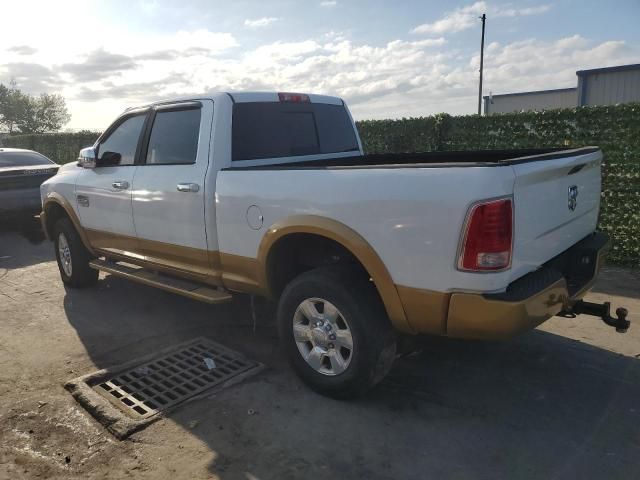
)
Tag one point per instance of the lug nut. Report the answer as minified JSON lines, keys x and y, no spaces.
{"x":332,"y":337}
{"x":327,"y":327}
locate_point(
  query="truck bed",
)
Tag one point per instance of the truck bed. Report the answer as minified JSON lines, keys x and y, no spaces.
{"x":433,"y":159}
{"x":412,"y":207}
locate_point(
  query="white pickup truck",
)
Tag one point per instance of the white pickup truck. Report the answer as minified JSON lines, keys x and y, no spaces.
{"x":271,"y":194}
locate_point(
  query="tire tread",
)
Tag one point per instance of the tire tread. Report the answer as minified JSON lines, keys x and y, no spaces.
{"x":355,"y":295}
{"x":82,"y":274}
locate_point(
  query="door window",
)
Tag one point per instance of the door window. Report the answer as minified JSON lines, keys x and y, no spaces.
{"x":120,"y":146}
{"x":174,"y":137}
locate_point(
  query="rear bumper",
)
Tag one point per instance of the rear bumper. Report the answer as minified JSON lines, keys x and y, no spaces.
{"x":19,"y":204}
{"x":479,"y":317}
{"x":532,"y":299}
{"x":20,"y":199}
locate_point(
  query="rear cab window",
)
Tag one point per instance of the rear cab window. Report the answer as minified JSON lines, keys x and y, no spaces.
{"x":264,"y":130}
{"x":23,"y":159}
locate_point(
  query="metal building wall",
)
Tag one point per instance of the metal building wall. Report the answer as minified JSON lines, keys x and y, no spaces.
{"x":609,"y":86}
{"x":540,"y":100}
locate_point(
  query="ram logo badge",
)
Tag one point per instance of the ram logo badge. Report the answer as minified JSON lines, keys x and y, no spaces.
{"x":573,"y":197}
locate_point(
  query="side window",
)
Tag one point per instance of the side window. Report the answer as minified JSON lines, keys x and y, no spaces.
{"x":174,"y":137}
{"x":120,"y":146}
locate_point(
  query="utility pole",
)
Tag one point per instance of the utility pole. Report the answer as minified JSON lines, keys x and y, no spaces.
{"x":484,"y":19}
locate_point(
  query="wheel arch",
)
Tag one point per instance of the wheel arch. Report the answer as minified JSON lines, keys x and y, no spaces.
{"x":55,"y":207}
{"x":343,"y":236}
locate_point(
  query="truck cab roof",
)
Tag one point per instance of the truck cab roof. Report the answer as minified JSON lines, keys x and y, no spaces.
{"x":249,"y":97}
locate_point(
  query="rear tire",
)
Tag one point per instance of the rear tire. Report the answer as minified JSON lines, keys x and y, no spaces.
{"x":72,"y":256}
{"x":343,"y":343}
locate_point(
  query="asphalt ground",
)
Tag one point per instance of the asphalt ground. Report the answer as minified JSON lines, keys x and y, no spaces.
{"x":562,"y":401}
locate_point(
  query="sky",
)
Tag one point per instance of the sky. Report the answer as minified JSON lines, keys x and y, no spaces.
{"x":404,"y":58}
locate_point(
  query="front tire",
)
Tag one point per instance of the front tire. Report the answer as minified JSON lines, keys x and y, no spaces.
{"x":72,"y":256}
{"x":335,"y":331}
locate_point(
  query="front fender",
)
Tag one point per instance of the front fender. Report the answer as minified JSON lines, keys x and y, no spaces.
{"x":50,"y":202}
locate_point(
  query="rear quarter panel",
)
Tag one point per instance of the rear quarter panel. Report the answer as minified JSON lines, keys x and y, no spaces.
{"x":411,"y":217}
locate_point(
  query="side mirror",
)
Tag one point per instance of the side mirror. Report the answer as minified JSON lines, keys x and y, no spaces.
{"x":87,"y":158}
{"x":109,"y":159}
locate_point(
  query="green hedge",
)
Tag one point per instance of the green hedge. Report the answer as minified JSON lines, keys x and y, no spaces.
{"x":615,"y":129}
{"x":59,"y":147}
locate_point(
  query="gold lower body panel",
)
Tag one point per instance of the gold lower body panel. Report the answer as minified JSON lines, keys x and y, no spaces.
{"x":426,"y":310}
{"x":190,"y":263}
{"x":234,"y":272}
{"x":475,"y":316}
{"x":460,"y":315}
{"x":241,"y":274}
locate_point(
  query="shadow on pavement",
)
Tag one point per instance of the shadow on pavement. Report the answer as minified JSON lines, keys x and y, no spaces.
{"x":15,"y":252}
{"x":539,"y":406}
{"x":618,"y":281}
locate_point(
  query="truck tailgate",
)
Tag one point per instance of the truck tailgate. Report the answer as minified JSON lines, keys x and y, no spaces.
{"x":556,"y":205}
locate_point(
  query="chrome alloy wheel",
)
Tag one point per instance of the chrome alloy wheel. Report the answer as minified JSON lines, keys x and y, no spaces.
{"x":64,"y":252}
{"x":322,"y":336}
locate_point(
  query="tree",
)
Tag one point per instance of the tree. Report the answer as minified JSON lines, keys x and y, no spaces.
{"x":46,"y":113}
{"x":12,"y":104}
{"x":31,"y":114}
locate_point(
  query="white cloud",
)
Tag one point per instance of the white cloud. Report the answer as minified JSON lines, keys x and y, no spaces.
{"x":520,"y":12}
{"x":260,"y":22}
{"x":517,"y":66}
{"x":116,"y":67}
{"x":281,"y":51}
{"x":328,"y":3}
{"x":213,"y":42}
{"x":430,"y":42}
{"x":22,"y":50}
{"x":466,"y":17}
{"x":399,"y":78}
{"x":149,"y":6}
{"x":454,"y":21}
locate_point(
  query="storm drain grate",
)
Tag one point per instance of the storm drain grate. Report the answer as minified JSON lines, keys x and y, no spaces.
{"x":170,"y":379}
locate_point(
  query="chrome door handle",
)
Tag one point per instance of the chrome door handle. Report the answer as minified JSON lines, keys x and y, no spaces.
{"x":188,"y":187}
{"x":120,"y":185}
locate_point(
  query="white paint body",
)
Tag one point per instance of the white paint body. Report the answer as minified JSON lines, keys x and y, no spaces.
{"x":164,"y":214}
{"x":110,"y":208}
{"x":411,"y":216}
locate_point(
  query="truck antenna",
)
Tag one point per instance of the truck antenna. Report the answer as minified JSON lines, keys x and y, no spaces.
{"x":484,"y":19}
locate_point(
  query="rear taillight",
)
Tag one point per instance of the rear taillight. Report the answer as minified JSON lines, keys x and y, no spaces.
{"x":488,"y":235}
{"x":293,"y":97}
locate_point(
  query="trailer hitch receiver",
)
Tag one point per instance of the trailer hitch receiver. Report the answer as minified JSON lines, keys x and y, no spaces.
{"x":602,"y":310}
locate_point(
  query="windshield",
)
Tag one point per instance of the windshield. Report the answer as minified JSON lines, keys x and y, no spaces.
{"x":23,"y":159}
{"x":282,"y":129}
